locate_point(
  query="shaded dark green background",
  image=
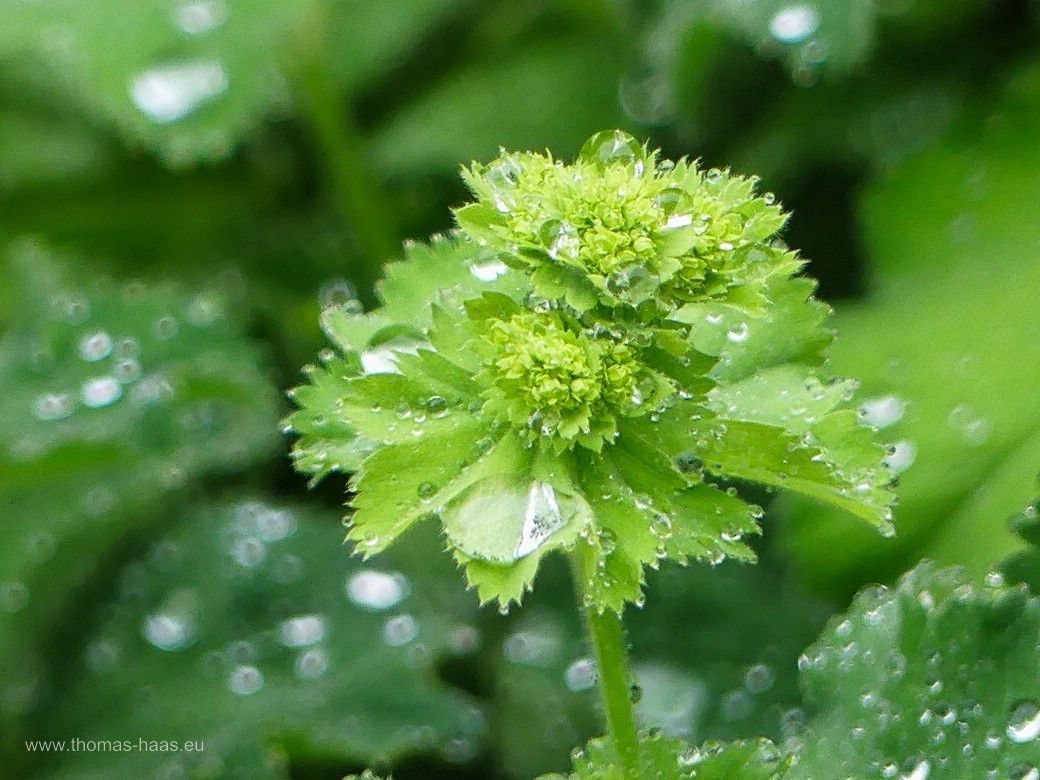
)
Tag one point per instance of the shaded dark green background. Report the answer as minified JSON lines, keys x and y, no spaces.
{"x":298,"y":142}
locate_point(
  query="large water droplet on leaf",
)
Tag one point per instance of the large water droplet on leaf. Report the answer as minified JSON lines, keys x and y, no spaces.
{"x":542,"y":518}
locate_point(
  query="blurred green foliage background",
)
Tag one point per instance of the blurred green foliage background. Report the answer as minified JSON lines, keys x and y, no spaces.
{"x":183,"y":186}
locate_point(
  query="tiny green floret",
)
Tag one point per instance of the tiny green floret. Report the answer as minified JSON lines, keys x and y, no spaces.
{"x":552,"y":382}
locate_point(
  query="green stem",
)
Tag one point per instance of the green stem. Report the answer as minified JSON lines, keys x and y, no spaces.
{"x":360,"y":200}
{"x":615,"y":682}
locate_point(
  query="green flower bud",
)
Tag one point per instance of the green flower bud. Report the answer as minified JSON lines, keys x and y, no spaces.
{"x":618,"y":227}
{"x":553,"y":382}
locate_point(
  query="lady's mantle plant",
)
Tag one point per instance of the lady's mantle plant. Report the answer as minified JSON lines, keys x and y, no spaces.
{"x":587,"y":365}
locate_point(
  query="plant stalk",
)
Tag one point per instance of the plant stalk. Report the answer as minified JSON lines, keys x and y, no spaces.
{"x":358,"y":196}
{"x":607,"y":636}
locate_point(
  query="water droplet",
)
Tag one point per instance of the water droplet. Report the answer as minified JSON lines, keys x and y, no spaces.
{"x":759,"y":678}
{"x":542,"y":518}
{"x":302,"y":631}
{"x":273,"y":525}
{"x":128,"y":370}
{"x":581,"y":675}
{"x":166,"y":327}
{"x":919,"y":771}
{"x":531,"y":646}
{"x":611,"y":147}
{"x":739,"y":333}
{"x":95,"y":346}
{"x":376,"y":590}
{"x":883,"y":411}
{"x":312,"y":664}
{"x":794,"y":24}
{"x":171,"y":92}
{"x":382,"y":359}
{"x":400,"y":630}
{"x":100,"y":392}
{"x":248,"y":551}
{"x":101,"y":656}
{"x":901,"y":456}
{"x":464,"y":639}
{"x":488,"y":272}
{"x":13,"y":596}
{"x":736,"y":705}
{"x":167,"y":631}
{"x":200,"y":16}
{"x":245,"y":680}
{"x":54,"y":406}
{"x":1024,"y":725}
{"x":973,"y":428}
{"x":340,"y":294}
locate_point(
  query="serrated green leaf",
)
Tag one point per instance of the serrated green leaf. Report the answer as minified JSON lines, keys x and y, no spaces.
{"x":398,"y":484}
{"x":493,"y":582}
{"x":771,"y":456}
{"x":446,"y":271}
{"x":944,"y":347}
{"x":939,"y":674}
{"x":791,"y":330}
{"x":327,"y":443}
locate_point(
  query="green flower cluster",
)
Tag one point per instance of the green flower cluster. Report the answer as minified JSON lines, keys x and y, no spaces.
{"x":568,"y":386}
{"x":619,"y":227}
{"x":598,"y":346}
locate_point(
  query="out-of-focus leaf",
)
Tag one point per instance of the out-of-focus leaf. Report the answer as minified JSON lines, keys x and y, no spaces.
{"x":938,"y":675}
{"x":43,"y":150}
{"x":199,"y":74}
{"x":547,"y":95}
{"x":247,"y":628}
{"x":946,"y":350}
{"x":114,"y":397}
{"x":369,"y":37}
